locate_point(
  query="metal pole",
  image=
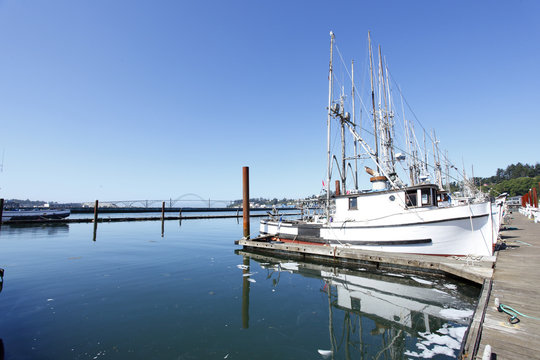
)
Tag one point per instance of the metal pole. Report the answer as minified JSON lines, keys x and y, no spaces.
{"x":343,"y":161}
{"x":375,"y":130}
{"x":245,"y":211}
{"x":354,"y":126}
{"x":328,"y":123}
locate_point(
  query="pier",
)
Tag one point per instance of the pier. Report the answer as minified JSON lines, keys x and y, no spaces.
{"x":515,"y":283}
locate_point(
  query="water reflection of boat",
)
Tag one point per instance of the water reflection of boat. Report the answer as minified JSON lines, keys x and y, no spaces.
{"x":406,"y":316}
{"x":33,"y":229}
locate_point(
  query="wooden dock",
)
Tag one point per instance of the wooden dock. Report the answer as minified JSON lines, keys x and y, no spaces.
{"x":471,"y":269}
{"x":516,"y":283}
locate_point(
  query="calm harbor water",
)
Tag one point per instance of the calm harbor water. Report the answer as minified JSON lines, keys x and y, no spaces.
{"x":193,"y":294}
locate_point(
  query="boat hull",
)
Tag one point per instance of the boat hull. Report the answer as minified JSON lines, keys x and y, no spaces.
{"x":459,"y":231}
{"x":34,"y":215}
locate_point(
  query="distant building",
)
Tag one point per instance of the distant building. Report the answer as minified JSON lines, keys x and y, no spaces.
{"x":513,"y":202}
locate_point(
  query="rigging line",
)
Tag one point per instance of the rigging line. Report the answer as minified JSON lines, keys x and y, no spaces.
{"x":350,"y":76}
{"x":409,"y":106}
{"x":407,"y":153}
{"x":406,"y":102}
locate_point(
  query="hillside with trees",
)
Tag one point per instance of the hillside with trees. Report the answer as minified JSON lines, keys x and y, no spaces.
{"x":516,"y":180}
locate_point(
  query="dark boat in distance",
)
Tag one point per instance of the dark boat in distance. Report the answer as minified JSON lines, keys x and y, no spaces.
{"x":36,"y":214}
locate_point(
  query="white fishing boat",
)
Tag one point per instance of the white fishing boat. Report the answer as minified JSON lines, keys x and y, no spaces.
{"x":392,"y":216}
{"x":18,"y":215}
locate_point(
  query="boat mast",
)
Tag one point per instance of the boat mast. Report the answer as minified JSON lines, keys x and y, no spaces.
{"x":384,"y":119}
{"x":389,"y":123}
{"x":410,"y":158}
{"x":328,"y":123}
{"x":426,"y":170}
{"x":437,"y":161}
{"x":375,"y":128}
{"x":343,"y":161}
{"x":447,"y":171}
{"x":354,"y":126}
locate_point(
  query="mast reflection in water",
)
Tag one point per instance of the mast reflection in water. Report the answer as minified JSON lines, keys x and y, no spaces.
{"x":382,"y":315}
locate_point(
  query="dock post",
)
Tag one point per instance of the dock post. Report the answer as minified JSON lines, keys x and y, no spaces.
{"x":1,"y":210}
{"x":95,"y":218}
{"x":245,"y":210}
{"x":337,"y":188}
{"x":162,"y":218}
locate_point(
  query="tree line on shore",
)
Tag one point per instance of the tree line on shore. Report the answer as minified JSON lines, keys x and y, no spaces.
{"x":516,"y":180}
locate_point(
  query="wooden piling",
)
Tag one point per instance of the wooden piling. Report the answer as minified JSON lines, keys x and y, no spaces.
{"x":96,"y":205}
{"x":162,"y":218}
{"x":1,"y":210}
{"x":245,"y":210}
{"x":337,"y":188}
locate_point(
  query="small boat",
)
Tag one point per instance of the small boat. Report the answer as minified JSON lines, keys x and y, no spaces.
{"x":19,"y":215}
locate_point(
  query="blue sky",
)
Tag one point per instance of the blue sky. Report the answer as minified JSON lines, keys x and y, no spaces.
{"x":117,"y":100}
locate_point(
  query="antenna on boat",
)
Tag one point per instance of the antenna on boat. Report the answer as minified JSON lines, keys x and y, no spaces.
{"x":328,"y":123}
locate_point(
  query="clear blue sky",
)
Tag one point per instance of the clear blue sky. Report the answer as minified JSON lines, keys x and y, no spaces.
{"x":116,"y":100}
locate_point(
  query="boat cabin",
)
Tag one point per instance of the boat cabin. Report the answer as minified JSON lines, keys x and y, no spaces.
{"x":375,"y":204}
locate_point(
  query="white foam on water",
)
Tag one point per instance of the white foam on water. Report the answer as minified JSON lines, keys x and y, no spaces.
{"x":421,"y":281}
{"x":445,"y":342}
{"x":429,"y":353}
{"x":289,"y":266}
{"x":455,"y":314}
{"x":242,"y":267}
{"x":325,"y":353}
{"x":457,"y":332}
{"x":451,"y":286}
{"x":397,"y":275}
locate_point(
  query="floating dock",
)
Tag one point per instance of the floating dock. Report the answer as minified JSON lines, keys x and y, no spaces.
{"x":475,"y":269}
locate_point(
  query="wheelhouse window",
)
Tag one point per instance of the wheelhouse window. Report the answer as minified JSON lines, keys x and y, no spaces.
{"x":427,"y":197}
{"x":353,"y":203}
{"x":411,"y":198}
{"x":421,"y":197}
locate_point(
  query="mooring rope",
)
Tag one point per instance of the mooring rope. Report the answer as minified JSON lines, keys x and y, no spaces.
{"x":513,"y":313}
